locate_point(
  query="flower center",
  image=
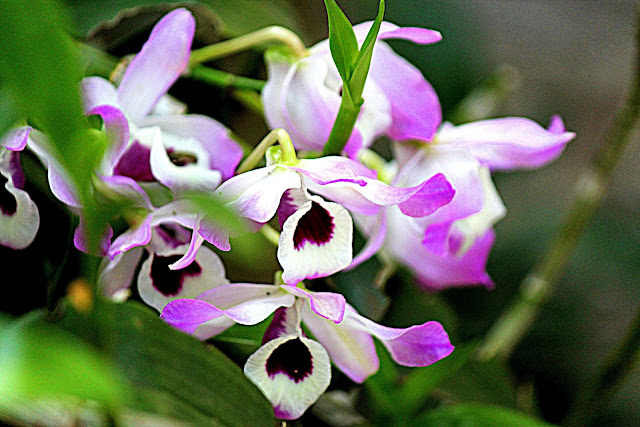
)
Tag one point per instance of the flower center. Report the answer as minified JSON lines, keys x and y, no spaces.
{"x":181,"y":158}
{"x":293,"y":359}
{"x":135,"y":163}
{"x":315,"y":226}
{"x":169,"y":282}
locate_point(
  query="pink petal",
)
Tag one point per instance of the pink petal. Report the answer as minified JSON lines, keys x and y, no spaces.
{"x":97,"y":91}
{"x":325,"y":304}
{"x":16,"y":139}
{"x":158,"y":65}
{"x":507,"y":143}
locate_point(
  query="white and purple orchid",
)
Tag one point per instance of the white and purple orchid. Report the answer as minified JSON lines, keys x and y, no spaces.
{"x":316,"y":235}
{"x":303,"y":97}
{"x":291,"y":369}
{"x":20,"y":218}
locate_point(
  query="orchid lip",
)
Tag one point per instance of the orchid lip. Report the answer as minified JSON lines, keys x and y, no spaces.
{"x":135,"y":163}
{"x":170,"y":282}
{"x":291,"y":358}
{"x":316,"y":226}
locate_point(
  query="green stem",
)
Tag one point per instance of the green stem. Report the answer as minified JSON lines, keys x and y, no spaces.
{"x":260,"y":37}
{"x":271,"y":234}
{"x":538,"y":285}
{"x":277,"y":135}
{"x":599,"y":391}
{"x":224,"y":79}
{"x":342,"y":128}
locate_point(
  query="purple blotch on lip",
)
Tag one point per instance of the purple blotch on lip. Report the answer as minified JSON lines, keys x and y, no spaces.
{"x":170,"y":282}
{"x":8,"y":203}
{"x":315,"y":226}
{"x":134,"y":163}
{"x":291,"y":358}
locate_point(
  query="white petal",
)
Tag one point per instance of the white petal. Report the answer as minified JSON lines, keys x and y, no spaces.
{"x":292,"y":372}
{"x":315,"y":241}
{"x":116,"y":274}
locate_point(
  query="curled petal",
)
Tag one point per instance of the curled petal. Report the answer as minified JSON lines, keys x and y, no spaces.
{"x":292,"y":372}
{"x":507,"y":143}
{"x":116,"y":128}
{"x":19,"y":216}
{"x":351,"y":350}
{"x":81,"y":243}
{"x":325,"y":304}
{"x":315,"y":241}
{"x":376,"y":229}
{"x":182,"y":164}
{"x":256,"y":194}
{"x":158,"y":65}
{"x":138,"y":235}
{"x":224,"y":153}
{"x":158,"y":284}
{"x":418,"y":345}
{"x":16,"y":139}
{"x":115,"y":275}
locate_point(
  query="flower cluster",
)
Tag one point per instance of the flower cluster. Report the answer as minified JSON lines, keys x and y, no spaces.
{"x":431,"y":208}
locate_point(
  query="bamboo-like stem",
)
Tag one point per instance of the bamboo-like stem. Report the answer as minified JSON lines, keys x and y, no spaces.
{"x":538,"y":285}
{"x":224,"y":79}
{"x":238,"y":44}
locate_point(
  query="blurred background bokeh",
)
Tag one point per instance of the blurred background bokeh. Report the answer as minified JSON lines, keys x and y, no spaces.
{"x":568,"y":57}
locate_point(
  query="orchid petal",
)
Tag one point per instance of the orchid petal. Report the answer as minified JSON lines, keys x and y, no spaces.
{"x":158,"y":65}
{"x":192,"y":174}
{"x":351,"y":350}
{"x":158,"y":284}
{"x":16,"y":139}
{"x":325,"y":304}
{"x":292,"y":372}
{"x":97,"y":91}
{"x":419,"y":345}
{"x":256,"y":194}
{"x":82,"y":244}
{"x":19,"y":216}
{"x":116,"y":128}
{"x":315,"y":241}
{"x":506,"y":143}
{"x":138,"y":235}
{"x":115,"y":275}
{"x":376,"y":234}
{"x":188,"y":314}
{"x":223,"y":151}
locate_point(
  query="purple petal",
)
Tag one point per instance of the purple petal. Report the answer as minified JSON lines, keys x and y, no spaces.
{"x":507,"y":143}
{"x":97,"y":91}
{"x":351,"y":350}
{"x":187,"y":314}
{"x":16,"y":139}
{"x":81,"y":243}
{"x":158,"y":65}
{"x":134,"y":163}
{"x":556,"y":125}
{"x":292,"y":372}
{"x":224,"y":152}
{"x":434,"y":193}
{"x":392,"y":31}
{"x":326,"y":304}
{"x":136,"y":236}
{"x":375,"y":241}
{"x":419,"y":345}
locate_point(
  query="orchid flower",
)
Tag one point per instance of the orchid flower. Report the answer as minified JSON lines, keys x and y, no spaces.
{"x":303,"y":96}
{"x":451,"y":247}
{"x":290,"y":369}
{"x":157,"y":283}
{"x":317,"y":235}
{"x":20,"y":219}
{"x":195,"y":149}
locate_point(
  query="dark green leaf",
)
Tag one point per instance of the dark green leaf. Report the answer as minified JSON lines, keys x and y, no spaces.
{"x":41,"y":360}
{"x":473,"y":414}
{"x":422,"y":381}
{"x":359,"y":77}
{"x":173,"y":374}
{"x":342,"y":40}
{"x":383,"y":389}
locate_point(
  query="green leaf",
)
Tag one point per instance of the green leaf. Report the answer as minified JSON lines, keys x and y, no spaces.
{"x":383,"y":389}
{"x":473,"y":414}
{"x":216,"y":212}
{"x":41,"y":360}
{"x":422,"y":381}
{"x":173,"y":374}
{"x":40,"y":68}
{"x":342,"y":40}
{"x":359,"y":77}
